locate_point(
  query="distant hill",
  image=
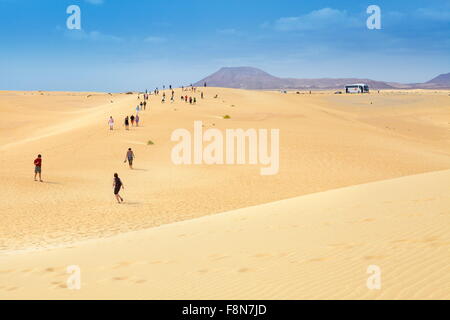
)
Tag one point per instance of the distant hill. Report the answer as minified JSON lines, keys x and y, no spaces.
{"x":244,"y":78}
{"x":443,"y":79}
{"x":256,"y":79}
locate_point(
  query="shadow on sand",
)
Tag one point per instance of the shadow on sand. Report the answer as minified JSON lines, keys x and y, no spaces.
{"x":131,"y":203}
{"x":51,"y":182}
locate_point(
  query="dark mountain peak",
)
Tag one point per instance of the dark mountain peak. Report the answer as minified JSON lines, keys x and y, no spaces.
{"x":442,"y":79}
{"x":243,"y":71}
{"x":241,"y":77}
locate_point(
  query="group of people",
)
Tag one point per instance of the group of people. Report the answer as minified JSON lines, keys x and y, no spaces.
{"x":145,"y":96}
{"x":156,"y":91}
{"x":133,"y":120}
{"x":191,"y":88}
{"x":191,"y":100}
{"x":117,"y":182}
{"x":130,"y":156}
{"x":142,"y":105}
{"x":172,"y":97}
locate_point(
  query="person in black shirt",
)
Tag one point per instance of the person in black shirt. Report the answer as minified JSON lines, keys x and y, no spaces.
{"x":117,"y":184}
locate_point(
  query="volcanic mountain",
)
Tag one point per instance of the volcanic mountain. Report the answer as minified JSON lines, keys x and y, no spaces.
{"x":443,"y":80}
{"x":256,"y":79}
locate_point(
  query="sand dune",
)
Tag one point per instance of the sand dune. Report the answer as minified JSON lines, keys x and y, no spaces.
{"x":327,"y":142}
{"x":316,"y":246}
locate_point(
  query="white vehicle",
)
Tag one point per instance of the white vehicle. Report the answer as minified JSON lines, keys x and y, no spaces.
{"x":357,"y":88}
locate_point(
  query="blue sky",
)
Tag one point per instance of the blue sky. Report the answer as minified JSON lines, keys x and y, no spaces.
{"x":138,"y":44}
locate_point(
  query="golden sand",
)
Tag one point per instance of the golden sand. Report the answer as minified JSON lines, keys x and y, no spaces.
{"x":366,"y":178}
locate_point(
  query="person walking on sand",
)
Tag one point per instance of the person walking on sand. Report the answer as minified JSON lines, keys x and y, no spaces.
{"x":145,"y":105}
{"x":111,"y":123}
{"x":132,"y":120}
{"x":127,"y":124}
{"x":130,"y":157}
{"x":117,"y":185}
{"x":137,"y":120}
{"x":38,"y":167}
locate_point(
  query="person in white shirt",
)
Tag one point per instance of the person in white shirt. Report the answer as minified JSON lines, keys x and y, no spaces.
{"x":111,"y":123}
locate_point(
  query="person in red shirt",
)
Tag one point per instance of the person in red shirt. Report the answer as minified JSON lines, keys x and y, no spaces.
{"x":38,"y":167}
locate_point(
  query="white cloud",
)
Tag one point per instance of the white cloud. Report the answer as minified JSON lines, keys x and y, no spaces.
{"x":317,"y":19}
{"x":155,"y":39}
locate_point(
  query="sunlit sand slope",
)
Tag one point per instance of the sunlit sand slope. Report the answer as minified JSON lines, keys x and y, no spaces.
{"x":315,"y":246}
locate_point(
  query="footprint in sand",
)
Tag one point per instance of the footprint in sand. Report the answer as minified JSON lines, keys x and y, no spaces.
{"x":59,"y":285}
{"x":12,"y":288}
{"x":430,"y":239}
{"x":216,"y":257}
{"x":203,"y":271}
{"x":141,"y":281}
